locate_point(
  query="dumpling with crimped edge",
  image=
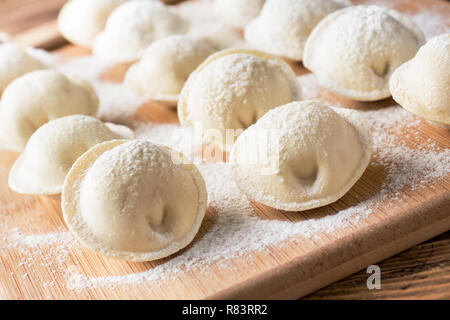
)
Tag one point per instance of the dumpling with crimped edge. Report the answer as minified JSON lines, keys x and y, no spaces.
{"x":38,"y":97}
{"x":422,"y":85}
{"x":15,"y":62}
{"x":133,"y":26}
{"x":309,"y":155}
{"x":80,"y":21}
{"x":284,"y":25}
{"x":234,"y":88}
{"x":52,"y":150}
{"x":354,"y":51}
{"x":165,"y":67}
{"x":134,"y":200}
{"x":237,"y":13}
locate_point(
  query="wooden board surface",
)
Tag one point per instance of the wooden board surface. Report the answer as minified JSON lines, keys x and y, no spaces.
{"x":287,"y":271}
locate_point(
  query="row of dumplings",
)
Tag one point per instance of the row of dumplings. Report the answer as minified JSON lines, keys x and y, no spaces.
{"x":128,"y":199}
{"x":354,"y":51}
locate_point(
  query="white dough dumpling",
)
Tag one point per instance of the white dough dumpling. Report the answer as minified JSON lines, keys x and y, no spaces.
{"x":232,"y":89}
{"x":38,"y":97}
{"x":133,"y":26}
{"x":80,"y":21}
{"x":15,"y":62}
{"x":422,"y":85}
{"x":311,"y":156}
{"x":52,"y":150}
{"x":165,"y":66}
{"x":354,"y":51}
{"x":131,"y":200}
{"x":284,"y":25}
{"x":237,"y":13}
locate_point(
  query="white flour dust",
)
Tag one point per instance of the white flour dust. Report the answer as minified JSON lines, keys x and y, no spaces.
{"x":235,"y":229}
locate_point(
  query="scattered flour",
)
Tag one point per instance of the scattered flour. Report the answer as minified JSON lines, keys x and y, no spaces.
{"x":235,"y":228}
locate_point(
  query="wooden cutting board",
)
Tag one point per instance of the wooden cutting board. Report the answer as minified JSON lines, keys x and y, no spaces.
{"x":290,"y":269}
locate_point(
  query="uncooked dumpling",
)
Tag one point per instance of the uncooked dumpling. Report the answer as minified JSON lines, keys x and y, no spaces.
{"x":234,"y":88}
{"x":422,"y":85}
{"x":354,"y":51}
{"x":132,"y":200}
{"x":308,"y":155}
{"x":52,"y":150}
{"x":38,"y":97}
{"x":133,"y":26}
{"x":15,"y":62}
{"x":237,"y":13}
{"x":284,"y":25}
{"x":165,"y":67}
{"x":80,"y":21}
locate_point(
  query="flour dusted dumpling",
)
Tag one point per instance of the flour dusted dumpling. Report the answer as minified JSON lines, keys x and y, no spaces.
{"x":284,"y":25}
{"x":38,"y":97}
{"x":422,"y":85}
{"x":15,"y":62}
{"x":308,"y":155}
{"x":52,"y":150}
{"x":237,"y":13}
{"x":165,"y":67}
{"x":133,"y":26}
{"x":234,"y":88}
{"x":80,"y":21}
{"x":134,"y":200}
{"x":354,"y":51}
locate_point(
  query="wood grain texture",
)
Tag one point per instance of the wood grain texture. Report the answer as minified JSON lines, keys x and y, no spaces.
{"x":288,"y":272}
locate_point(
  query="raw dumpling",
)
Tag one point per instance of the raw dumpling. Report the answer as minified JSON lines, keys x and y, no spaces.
{"x":308,"y":155}
{"x":354,"y":51}
{"x":80,"y":21}
{"x":38,"y":97}
{"x":132,"y":200}
{"x":132,"y":27}
{"x":422,"y":85}
{"x":52,"y":150}
{"x":234,"y":88}
{"x":284,"y":25}
{"x":165,"y":67}
{"x":237,"y":13}
{"x":15,"y":62}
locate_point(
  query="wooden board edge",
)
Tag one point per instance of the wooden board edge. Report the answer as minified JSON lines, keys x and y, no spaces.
{"x":288,"y":281}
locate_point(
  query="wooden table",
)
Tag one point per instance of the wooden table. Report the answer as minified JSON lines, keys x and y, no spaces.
{"x":422,"y":272}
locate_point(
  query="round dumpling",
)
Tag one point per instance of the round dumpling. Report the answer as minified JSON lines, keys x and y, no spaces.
{"x":354,"y":51}
{"x":15,"y":62}
{"x":234,"y":88}
{"x":52,"y":150}
{"x":165,"y":67}
{"x":38,"y":97}
{"x":308,"y":155}
{"x":80,"y":21}
{"x":134,"y":200}
{"x":422,"y":85}
{"x":284,"y":25}
{"x":237,"y":13}
{"x":133,"y":26}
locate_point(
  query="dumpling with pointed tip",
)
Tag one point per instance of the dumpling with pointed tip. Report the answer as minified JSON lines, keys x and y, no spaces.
{"x":165,"y":67}
{"x":354,"y":51}
{"x":134,"y":200}
{"x":234,"y":88}
{"x":53,"y":149}
{"x":422,"y":85}
{"x":15,"y":62}
{"x":38,"y":97}
{"x":80,"y":21}
{"x":237,"y":13}
{"x":308,"y":155}
{"x":284,"y":25}
{"x":133,"y":26}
